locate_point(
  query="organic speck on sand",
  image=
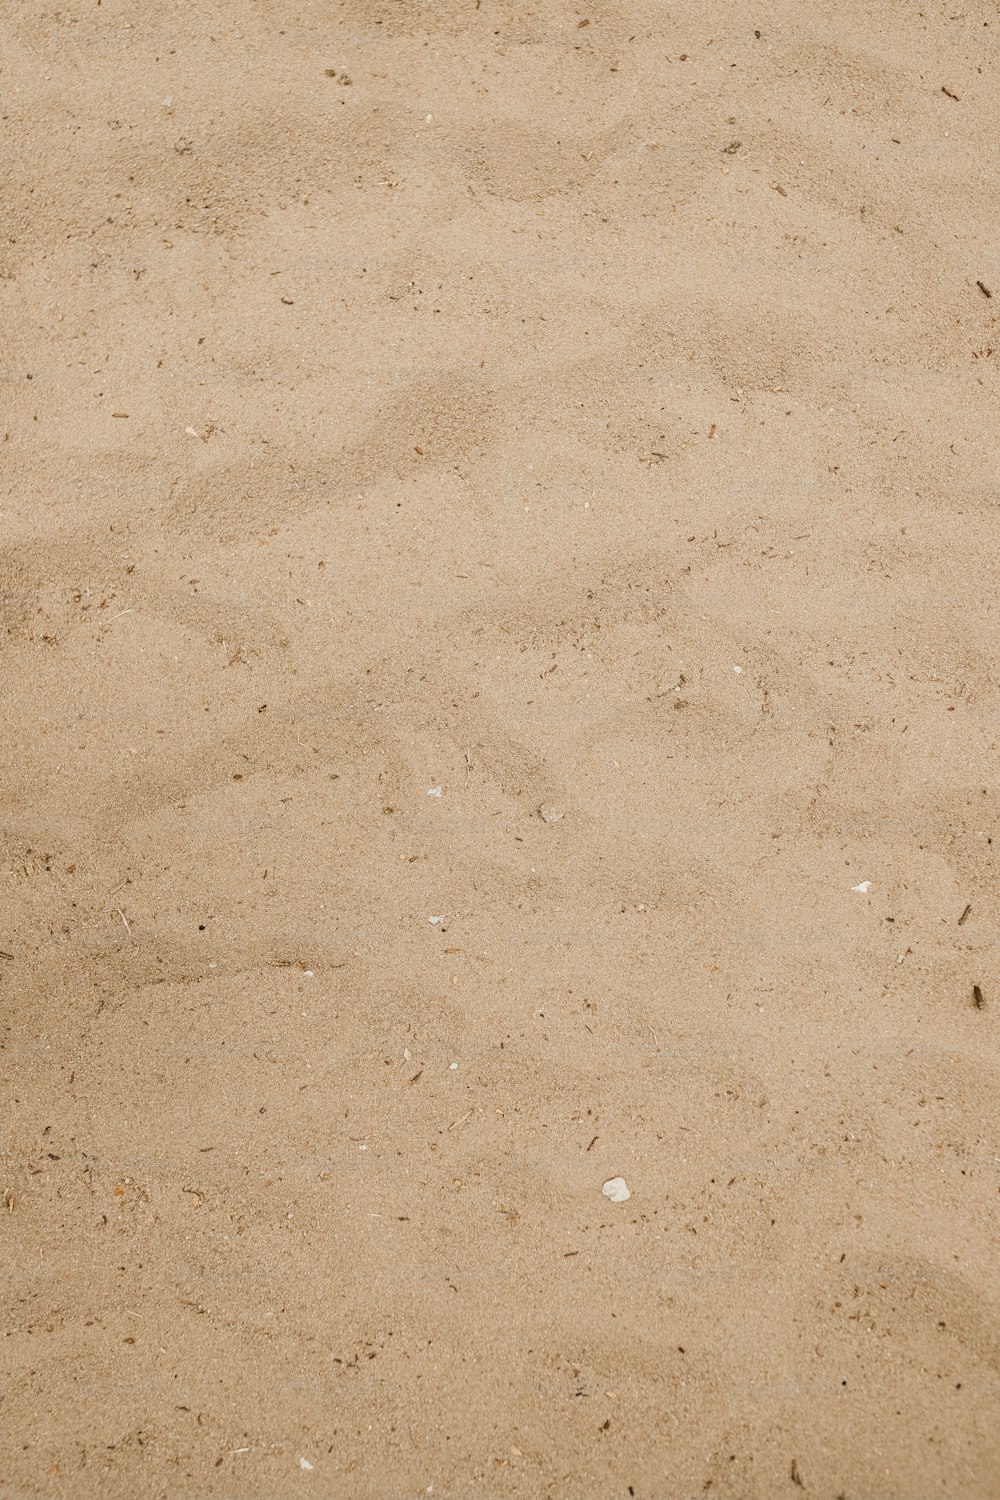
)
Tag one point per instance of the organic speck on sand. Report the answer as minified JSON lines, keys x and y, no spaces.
{"x":616,"y":1189}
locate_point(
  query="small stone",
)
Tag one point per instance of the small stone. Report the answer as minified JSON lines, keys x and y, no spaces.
{"x":616,"y":1189}
{"x":548,"y":813}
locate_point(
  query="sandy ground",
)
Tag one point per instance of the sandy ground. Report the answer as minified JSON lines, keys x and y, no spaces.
{"x":589,"y":408}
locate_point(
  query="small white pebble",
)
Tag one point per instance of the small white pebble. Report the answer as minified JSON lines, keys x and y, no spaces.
{"x":864,"y":887}
{"x":452,"y":1067}
{"x":738,"y":671}
{"x":309,"y":974}
{"x":406,"y":1054}
{"x":435,"y":921}
{"x":305,"y":1464}
{"x":616,"y":1188}
{"x":434,"y":791}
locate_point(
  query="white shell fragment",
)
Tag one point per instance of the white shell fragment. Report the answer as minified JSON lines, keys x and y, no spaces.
{"x":434,"y":791}
{"x":548,"y":813}
{"x":435,"y":921}
{"x":616,"y":1188}
{"x":864,"y":887}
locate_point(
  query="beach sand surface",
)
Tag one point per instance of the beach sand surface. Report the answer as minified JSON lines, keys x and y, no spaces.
{"x":588,"y":411}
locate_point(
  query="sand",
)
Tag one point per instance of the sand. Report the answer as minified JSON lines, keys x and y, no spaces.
{"x":589,"y":408}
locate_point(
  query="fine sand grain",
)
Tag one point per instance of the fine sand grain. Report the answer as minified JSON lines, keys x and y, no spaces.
{"x":586,"y":414}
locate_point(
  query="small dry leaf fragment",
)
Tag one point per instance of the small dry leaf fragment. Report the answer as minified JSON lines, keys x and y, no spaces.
{"x":779,"y":189}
